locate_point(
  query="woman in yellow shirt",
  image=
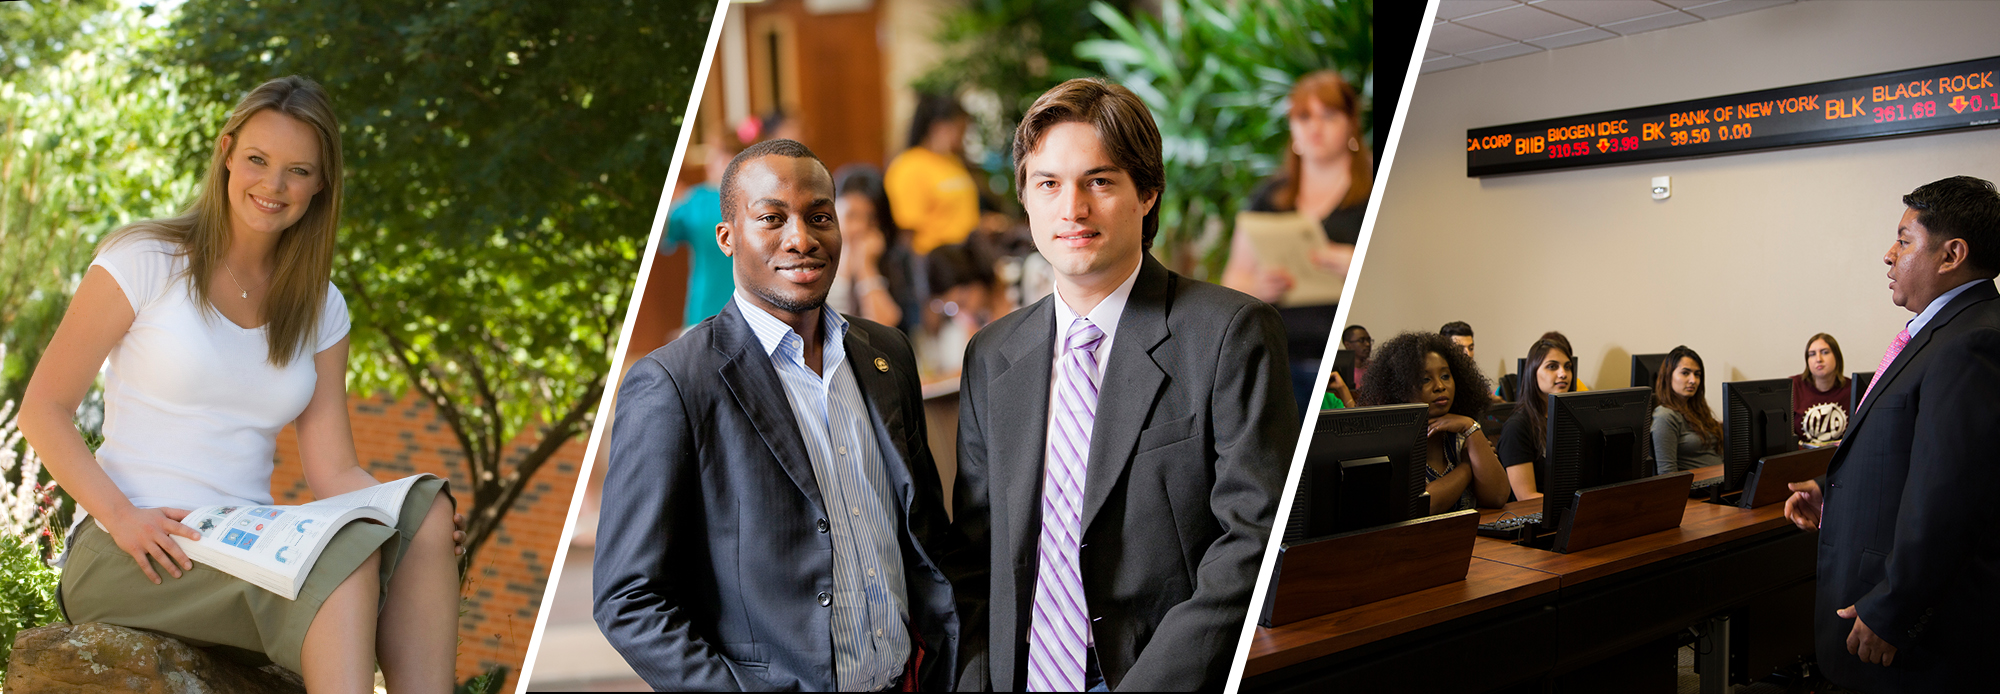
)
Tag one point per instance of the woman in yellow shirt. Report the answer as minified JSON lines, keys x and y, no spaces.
{"x":930,"y":191}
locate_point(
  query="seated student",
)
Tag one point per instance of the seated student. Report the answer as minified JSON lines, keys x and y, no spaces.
{"x":1426,"y":368}
{"x":1523,"y":452}
{"x":1460,"y":333}
{"x":1576,"y":383}
{"x":1685,"y":433}
{"x":1820,"y":394}
{"x":1338,"y":396}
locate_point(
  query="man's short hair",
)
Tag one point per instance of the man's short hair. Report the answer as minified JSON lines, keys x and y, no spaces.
{"x":1962,"y":207}
{"x":783,"y":148}
{"x":1457,"y":328}
{"x":1122,"y":123}
{"x":1348,"y":334}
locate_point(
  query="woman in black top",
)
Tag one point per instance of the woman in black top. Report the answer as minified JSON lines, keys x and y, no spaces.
{"x":1425,"y":368}
{"x":1327,"y":174}
{"x":1523,"y":449}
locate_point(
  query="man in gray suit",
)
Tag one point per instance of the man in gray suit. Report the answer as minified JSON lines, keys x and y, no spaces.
{"x":772,"y":515}
{"x":1123,"y":442}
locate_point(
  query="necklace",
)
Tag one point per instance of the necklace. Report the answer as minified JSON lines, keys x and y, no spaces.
{"x":232,"y":278}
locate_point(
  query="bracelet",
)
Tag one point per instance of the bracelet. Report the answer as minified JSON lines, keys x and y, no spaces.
{"x":1475,"y":427}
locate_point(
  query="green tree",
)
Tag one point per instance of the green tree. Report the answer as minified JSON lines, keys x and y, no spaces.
{"x":87,"y":128}
{"x":505,"y":159}
{"x":1216,"y":76}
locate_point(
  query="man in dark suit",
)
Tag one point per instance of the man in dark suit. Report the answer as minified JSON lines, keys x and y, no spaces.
{"x":1909,"y":563}
{"x":1122,"y":442}
{"x":772,"y":515}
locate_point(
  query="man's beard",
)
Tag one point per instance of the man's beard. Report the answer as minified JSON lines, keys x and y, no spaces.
{"x":790,"y":305}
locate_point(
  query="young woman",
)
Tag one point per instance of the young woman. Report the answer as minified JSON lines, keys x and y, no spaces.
{"x":1523,"y":449}
{"x":1685,"y":433}
{"x":1820,"y":394}
{"x":1425,"y":368}
{"x":873,"y":280}
{"x":221,"y":327}
{"x":1325,"y":178}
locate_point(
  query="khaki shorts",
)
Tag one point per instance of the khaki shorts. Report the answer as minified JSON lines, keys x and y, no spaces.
{"x":208,"y":608}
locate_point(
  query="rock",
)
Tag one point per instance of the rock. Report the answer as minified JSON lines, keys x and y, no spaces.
{"x":65,"y":658}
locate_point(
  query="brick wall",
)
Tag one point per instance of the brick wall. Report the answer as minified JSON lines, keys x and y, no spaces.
{"x":397,"y":437}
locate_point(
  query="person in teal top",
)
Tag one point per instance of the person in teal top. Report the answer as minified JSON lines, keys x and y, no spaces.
{"x":692,"y":224}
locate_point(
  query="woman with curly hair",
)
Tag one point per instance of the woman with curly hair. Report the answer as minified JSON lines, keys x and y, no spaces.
{"x":1425,"y":368}
{"x":1685,"y":433}
{"x":1523,"y":448}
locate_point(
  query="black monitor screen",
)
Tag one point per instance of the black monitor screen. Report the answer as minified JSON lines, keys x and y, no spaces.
{"x":1645,"y":368}
{"x":1595,"y":438}
{"x":1861,"y":381}
{"x":1756,"y":422}
{"x":1364,"y":468}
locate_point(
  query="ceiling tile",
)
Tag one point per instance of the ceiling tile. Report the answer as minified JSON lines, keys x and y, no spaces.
{"x":1454,"y":38}
{"x":1598,"y":12}
{"x":1729,"y":7}
{"x":1658,"y":21}
{"x":1500,"y":52}
{"x":1445,"y":64}
{"x":1520,"y":23}
{"x":1571,"y":38}
{"x":1453,"y":9}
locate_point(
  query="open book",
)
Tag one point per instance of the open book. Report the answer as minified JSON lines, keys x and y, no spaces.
{"x":274,"y":547}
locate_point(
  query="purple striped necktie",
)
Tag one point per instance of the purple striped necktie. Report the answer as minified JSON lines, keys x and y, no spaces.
{"x":1889,"y":357}
{"x":1060,"y":632}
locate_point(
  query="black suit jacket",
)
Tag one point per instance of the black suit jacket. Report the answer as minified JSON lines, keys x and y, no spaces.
{"x":1906,"y":536}
{"x":713,"y":550}
{"x":1194,"y":432}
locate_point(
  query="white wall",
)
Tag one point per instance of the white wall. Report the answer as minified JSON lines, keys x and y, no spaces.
{"x":1752,"y":254}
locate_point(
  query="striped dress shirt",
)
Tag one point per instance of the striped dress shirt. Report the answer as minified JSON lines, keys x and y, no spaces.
{"x":870,"y":608}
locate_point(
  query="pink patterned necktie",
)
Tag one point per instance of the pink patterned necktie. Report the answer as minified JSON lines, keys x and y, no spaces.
{"x":1060,"y":632}
{"x":1889,"y":357}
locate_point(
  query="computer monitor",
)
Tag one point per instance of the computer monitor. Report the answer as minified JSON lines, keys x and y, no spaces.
{"x":1860,"y":390}
{"x":1594,"y":438}
{"x":1363,"y":468}
{"x":1495,"y":418}
{"x":1756,"y":422}
{"x":1343,"y":364}
{"x":1645,"y":368}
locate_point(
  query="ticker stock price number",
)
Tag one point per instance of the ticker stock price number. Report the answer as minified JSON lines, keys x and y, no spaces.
{"x":1896,"y":112}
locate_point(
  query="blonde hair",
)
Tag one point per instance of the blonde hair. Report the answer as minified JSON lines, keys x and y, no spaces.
{"x":304,"y":264}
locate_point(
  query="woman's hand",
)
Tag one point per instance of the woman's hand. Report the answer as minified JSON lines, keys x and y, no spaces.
{"x":1338,"y":386}
{"x":458,"y":533}
{"x":1454,"y":423}
{"x":1333,"y":258}
{"x":147,"y":533}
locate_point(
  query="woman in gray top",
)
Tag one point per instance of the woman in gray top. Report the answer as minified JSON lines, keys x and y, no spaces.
{"x":1685,"y":433}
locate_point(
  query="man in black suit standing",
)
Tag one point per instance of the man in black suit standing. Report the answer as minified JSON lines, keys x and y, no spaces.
{"x":772,"y":516}
{"x":1122,"y":442}
{"x":1909,"y":563}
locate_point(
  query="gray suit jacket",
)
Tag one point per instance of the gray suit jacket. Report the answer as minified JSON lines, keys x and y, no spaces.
{"x":1194,"y":433}
{"x":713,"y":552}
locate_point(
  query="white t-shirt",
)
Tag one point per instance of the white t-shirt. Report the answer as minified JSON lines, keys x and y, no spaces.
{"x":192,"y":404}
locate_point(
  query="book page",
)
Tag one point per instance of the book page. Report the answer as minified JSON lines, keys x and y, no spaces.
{"x":275,"y":538}
{"x":387,"y":497}
{"x":1288,"y":240}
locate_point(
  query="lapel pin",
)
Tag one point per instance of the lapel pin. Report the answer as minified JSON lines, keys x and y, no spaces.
{"x":881,"y":365}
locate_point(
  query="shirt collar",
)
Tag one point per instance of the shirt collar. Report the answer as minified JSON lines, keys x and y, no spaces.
{"x":773,"y":333}
{"x":1916,"y":325}
{"x":1104,"y":315}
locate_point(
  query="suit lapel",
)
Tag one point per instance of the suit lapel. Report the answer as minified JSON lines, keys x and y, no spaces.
{"x":753,"y":381}
{"x":1020,"y":436}
{"x":1882,"y":381}
{"x":1129,"y":385}
{"x":878,"y":389}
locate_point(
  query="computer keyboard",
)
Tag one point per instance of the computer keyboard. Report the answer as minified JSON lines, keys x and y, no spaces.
{"x":1510,"y":528}
{"x":1701,"y":488}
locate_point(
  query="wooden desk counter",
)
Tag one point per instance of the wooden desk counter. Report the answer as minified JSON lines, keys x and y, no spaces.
{"x":1705,"y":525}
{"x":1487,"y":585}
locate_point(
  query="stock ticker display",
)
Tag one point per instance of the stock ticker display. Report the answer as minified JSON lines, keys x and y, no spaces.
{"x":1922,"y":100}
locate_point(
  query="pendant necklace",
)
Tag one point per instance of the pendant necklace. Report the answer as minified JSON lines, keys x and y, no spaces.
{"x":232,"y":278}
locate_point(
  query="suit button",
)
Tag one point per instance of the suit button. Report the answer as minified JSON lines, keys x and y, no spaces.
{"x":821,"y":524}
{"x":825,"y":599}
